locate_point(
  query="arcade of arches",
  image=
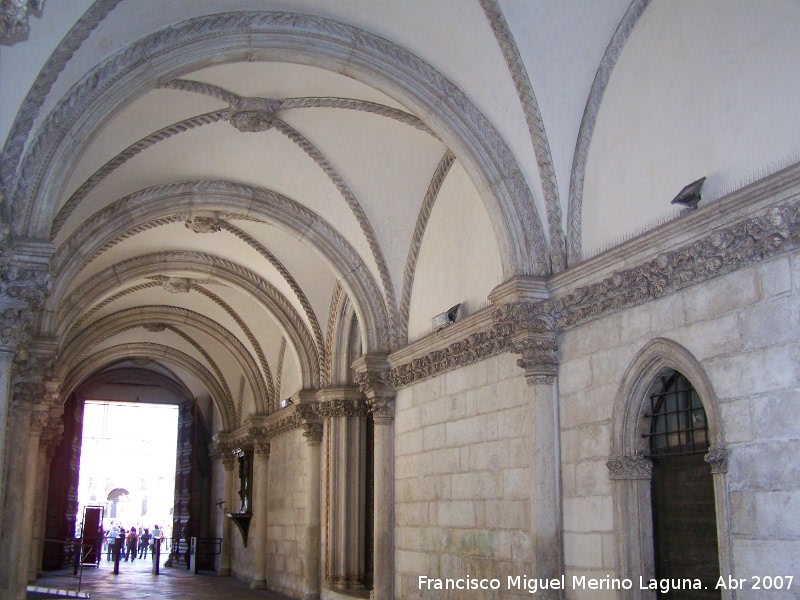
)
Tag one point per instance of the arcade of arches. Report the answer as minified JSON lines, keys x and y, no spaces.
{"x":253,"y":210}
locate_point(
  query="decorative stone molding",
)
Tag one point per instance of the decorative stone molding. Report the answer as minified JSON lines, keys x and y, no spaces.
{"x":590,"y":112}
{"x":533,"y":336}
{"x":14,"y":17}
{"x":630,"y":467}
{"x":717,"y":458}
{"x":437,"y":180}
{"x":341,"y":401}
{"x":155,"y":327}
{"x":25,"y":284}
{"x":533,"y":116}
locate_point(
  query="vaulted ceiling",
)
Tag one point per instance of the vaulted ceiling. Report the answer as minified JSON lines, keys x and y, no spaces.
{"x":222,"y":187}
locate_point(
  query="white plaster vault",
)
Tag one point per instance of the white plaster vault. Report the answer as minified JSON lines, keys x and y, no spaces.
{"x":258,"y":206}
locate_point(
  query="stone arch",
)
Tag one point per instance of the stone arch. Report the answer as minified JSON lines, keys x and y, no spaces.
{"x":108,"y":326}
{"x":155,"y":264}
{"x":630,"y":468}
{"x":74,"y":374}
{"x":176,"y":201}
{"x":345,"y":319}
{"x":105,"y":375}
{"x":304,"y":39}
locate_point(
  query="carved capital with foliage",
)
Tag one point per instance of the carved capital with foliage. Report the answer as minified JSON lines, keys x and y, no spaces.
{"x":533,"y":336}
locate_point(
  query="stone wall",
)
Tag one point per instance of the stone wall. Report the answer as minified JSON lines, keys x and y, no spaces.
{"x":743,"y":330}
{"x":286,"y":520}
{"x":462,"y":478}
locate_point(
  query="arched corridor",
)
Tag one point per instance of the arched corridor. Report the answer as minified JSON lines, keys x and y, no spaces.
{"x":408,"y":270}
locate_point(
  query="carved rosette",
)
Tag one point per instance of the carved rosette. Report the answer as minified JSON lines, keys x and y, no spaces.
{"x":251,"y":115}
{"x":717,"y":458}
{"x":201,"y":224}
{"x":630,"y":467}
{"x":533,"y":336}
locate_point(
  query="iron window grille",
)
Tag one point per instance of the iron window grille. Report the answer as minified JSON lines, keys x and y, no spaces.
{"x":678,"y":423}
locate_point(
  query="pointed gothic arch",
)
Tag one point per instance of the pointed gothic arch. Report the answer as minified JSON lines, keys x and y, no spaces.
{"x":630,"y":466}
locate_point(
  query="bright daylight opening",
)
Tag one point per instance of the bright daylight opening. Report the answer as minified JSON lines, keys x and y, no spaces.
{"x":127,"y":464}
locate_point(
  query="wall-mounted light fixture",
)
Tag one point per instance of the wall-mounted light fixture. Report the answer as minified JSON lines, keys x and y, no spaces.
{"x":690,"y":195}
{"x":286,"y":402}
{"x":446,"y":318}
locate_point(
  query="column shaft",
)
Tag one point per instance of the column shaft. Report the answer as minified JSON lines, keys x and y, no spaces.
{"x":546,"y":533}
{"x":24,"y":527}
{"x":6,"y":360}
{"x":383,"y":578}
{"x":311,"y":575}
{"x":40,"y":495}
{"x":227,"y":524}
{"x":260,"y":502}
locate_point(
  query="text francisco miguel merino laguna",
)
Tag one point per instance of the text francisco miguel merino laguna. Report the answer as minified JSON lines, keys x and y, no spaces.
{"x":534,"y":585}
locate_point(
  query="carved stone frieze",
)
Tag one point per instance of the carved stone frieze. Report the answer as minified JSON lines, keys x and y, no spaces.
{"x":155,"y":327}
{"x":253,"y":114}
{"x":630,"y":467}
{"x":475,"y":347}
{"x":14,"y":17}
{"x":342,"y":408}
{"x":717,"y":458}
{"x":25,"y":284}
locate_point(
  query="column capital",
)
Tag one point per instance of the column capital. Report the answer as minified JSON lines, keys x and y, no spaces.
{"x":341,"y":401}
{"x":373,"y":378}
{"x":223,"y":448}
{"x":533,"y":336}
{"x":259,"y":440}
{"x":630,"y":467}
{"x":717,"y":458}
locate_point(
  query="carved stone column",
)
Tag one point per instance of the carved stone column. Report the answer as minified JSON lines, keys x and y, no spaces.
{"x":312,"y":431}
{"x":345,"y":413}
{"x":372,"y":378}
{"x":631,"y":477}
{"x":228,"y":462}
{"x":260,"y":443}
{"x":6,"y":361}
{"x":533,"y":336}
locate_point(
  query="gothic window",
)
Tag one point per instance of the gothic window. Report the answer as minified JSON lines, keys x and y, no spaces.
{"x":677,"y":419}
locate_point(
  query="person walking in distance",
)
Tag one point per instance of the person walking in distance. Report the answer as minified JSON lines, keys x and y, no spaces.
{"x":132,"y":543}
{"x":144,"y":541}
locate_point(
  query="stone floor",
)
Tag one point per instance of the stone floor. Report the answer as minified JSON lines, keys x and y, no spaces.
{"x":136,"y":581}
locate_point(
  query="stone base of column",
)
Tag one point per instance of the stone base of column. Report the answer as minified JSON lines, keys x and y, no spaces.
{"x":258,"y":584}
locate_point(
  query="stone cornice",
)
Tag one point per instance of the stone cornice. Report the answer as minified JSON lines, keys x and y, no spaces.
{"x":748,"y":226}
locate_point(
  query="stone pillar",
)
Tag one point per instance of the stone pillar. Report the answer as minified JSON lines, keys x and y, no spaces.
{"x":345,"y":413}
{"x":23,"y":525}
{"x":533,"y":336}
{"x":313,"y":434}
{"x":6,"y":361}
{"x":51,"y":436}
{"x":226,"y":557}
{"x":260,"y":506}
{"x":372,"y":378}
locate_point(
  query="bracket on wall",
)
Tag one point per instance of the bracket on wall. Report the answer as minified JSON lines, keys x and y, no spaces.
{"x":242,"y":521}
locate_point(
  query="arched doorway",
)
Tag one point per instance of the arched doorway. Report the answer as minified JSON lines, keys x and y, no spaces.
{"x":682,"y":489}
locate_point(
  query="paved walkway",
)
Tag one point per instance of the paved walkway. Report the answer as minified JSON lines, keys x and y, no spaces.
{"x":136,"y":581}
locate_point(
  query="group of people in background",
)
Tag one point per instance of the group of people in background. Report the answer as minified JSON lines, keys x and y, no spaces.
{"x":136,"y":543}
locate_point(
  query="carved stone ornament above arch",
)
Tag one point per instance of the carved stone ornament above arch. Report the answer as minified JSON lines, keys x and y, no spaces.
{"x":78,"y":373}
{"x":155,"y":264}
{"x":173,"y":202}
{"x":176,"y":317}
{"x":309,"y":40}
